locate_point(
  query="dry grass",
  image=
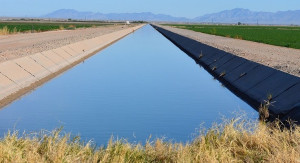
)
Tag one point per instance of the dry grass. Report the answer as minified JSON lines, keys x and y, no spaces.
{"x":61,"y":27}
{"x":4,"y":31}
{"x":222,"y":74}
{"x":71,"y":27}
{"x":238,"y":37}
{"x":213,"y":68}
{"x":234,"y":140}
{"x":200,"y":55}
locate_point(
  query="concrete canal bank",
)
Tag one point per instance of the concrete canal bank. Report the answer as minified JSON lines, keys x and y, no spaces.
{"x":251,"y":81}
{"x":20,"y":75}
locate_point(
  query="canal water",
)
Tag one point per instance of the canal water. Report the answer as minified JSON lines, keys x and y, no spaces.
{"x":140,"y":86}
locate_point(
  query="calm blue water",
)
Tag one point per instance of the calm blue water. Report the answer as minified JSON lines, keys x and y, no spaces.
{"x":140,"y":86}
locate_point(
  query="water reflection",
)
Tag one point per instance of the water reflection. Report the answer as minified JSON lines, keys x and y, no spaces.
{"x":140,"y":86}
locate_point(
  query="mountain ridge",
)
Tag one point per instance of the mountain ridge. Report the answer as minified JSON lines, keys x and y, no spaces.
{"x":146,"y":16}
{"x":251,"y":17}
{"x":226,"y":16}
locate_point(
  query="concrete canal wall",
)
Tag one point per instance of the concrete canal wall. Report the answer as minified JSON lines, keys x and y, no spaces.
{"x":249,"y":80}
{"x":20,"y":75}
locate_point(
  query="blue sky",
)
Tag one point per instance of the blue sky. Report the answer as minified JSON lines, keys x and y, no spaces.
{"x":185,"y":8}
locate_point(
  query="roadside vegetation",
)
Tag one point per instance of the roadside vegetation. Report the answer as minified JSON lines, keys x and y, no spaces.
{"x":28,"y":27}
{"x":286,"y":36}
{"x":234,"y":140}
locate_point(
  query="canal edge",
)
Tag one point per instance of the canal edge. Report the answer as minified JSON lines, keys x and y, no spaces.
{"x":251,"y":81}
{"x":22,"y":75}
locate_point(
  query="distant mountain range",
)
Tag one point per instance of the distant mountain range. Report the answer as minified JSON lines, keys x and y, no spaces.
{"x":227,"y":16}
{"x":247,"y":16}
{"x":146,"y":16}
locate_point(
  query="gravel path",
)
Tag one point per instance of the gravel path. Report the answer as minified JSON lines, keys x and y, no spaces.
{"x":14,"y":46}
{"x":281,"y":58}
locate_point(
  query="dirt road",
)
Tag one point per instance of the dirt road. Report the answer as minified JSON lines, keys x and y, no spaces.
{"x":281,"y":58}
{"x":14,"y":46}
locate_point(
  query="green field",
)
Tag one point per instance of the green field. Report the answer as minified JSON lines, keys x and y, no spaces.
{"x":286,"y":36}
{"x":15,"y":27}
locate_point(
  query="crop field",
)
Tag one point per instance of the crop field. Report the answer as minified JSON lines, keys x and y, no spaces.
{"x":286,"y":36}
{"x":16,"y":27}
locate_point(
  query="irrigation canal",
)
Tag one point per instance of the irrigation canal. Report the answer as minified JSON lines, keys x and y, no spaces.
{"x":140,"y":86}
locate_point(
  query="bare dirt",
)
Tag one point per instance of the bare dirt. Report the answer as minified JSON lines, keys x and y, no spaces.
{"x":281,"y":58}
{"x":19,"y":45}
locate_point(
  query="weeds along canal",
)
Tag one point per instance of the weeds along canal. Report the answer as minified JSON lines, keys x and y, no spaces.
{"x":141,"y":85}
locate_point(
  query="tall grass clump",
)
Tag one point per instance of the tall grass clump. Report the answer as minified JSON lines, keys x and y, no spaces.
{"x":71,"y":27}
{"x":234,"y":140}
{"x":4,"y":31}
{"x":61,"y":27}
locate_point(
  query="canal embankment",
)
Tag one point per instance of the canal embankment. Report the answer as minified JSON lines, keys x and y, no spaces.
{"x":254,"y":82}
{"x":280,"y":58}
{"x":22,"y":44}
{"x":20,"y":75}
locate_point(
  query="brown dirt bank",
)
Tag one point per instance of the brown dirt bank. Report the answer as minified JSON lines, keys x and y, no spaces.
{"x":281,"y":58}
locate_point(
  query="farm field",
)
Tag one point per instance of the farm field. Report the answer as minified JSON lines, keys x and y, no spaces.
{"x":16,"y":27}
{"x":286,"y":36}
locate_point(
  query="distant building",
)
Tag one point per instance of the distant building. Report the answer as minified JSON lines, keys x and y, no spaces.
{"x":127,"y":22}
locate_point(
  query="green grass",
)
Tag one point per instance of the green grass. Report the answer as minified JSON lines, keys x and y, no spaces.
{"x":286,"y":36}
{"x":14,"y":27}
